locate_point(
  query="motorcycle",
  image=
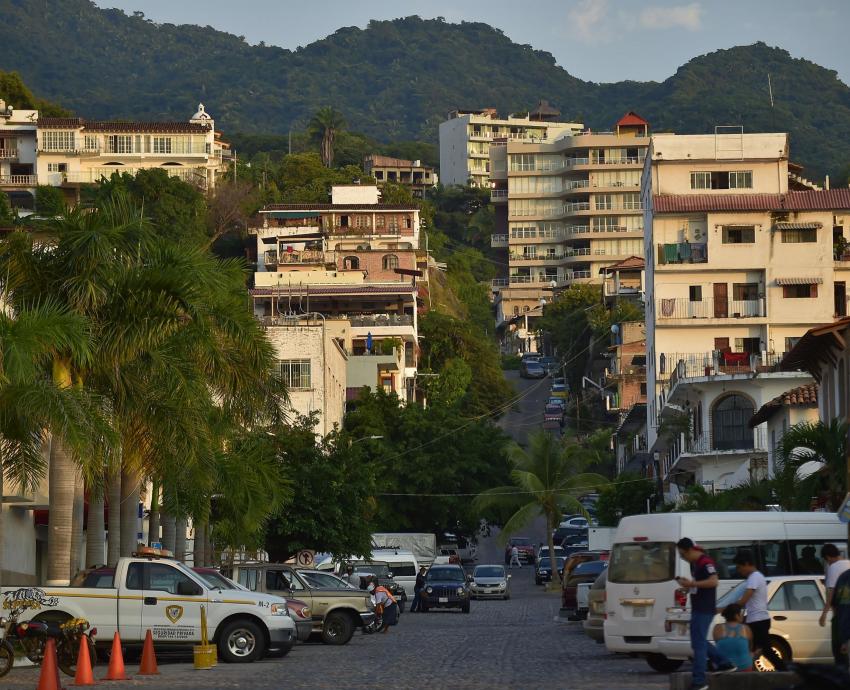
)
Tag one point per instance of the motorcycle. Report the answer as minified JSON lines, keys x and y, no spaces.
{"x":32,"y":637}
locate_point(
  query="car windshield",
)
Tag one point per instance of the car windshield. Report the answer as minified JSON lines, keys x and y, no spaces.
{"x":445,"y":575}
{"x":489,"y":571}
{"x":382,"y":570}
{"x":216,"y":580}
{"x":544,"y":562}
{"x":732,"y":596}
{"x":590,"y":568}
{"x":316,"y":580}
{"x":642,"y":562}
{"x":520,"y":541}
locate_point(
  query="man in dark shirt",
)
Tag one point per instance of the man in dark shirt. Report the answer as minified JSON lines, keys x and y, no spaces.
{"x":703,"y":586}
{"x":841,"y":610}
{"x":418,"y":586}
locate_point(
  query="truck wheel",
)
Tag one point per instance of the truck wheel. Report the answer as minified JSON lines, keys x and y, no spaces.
{"x":7,"y":657}
{"x":337,"y":629}
{"x":660,"y":663}
{"x":241,"y":641}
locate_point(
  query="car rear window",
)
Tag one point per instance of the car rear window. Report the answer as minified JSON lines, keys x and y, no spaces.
{"x":642,"y":562}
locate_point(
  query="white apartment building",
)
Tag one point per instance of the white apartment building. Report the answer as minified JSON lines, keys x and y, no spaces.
{"x":466,"y":135}
{"x":18,"y":154}
{"x":565,"y":210}
{"x":738,"y":268}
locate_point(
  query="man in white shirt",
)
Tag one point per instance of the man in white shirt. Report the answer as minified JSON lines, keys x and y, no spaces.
{"x":836,"y":566}
{"x":754,"y":601}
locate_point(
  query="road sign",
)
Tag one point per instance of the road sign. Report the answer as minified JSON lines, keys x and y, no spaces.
{"x":844,"y":510}
{"x":305,"y":558}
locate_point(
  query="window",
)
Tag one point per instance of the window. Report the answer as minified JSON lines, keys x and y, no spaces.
{"x":390,"y":262}
{"x":722,"y":179}
{"x":799,"y":236}
{"x":523,"y":233}
{"x":802,"y":595}
{"x":403,"y":569}
{"x":631,"y":201}
{"x":604,"y":202}
{"x":295,"y":373}
{"x":523,"y":162}
{"x":351,"y":262}
{"x":790,"y":343}
{"x":751,"y":346}
{"x":393,"y":223}
{"x":53,"y":140}
{"x":119,"y":143}
{"x":799,"y":291}
{"x":516,"y":310}
{"x":248,"y":578}
{"x":643,"y":388}
{"x":379,"y":221}
{"x":745,"y":291}
{"x":90,"y":142}
{"x":57,"y":167}
{"x":379,"y":174}
{"x":739,"y":234}
{"x":166,"y":578}
{"x":695,"y":293}
{"x":162,"y":144}
{"x":135,"y":576}
{"x":642,"y":562}
{"x":729,"y":422}
{"x":361,"y":221}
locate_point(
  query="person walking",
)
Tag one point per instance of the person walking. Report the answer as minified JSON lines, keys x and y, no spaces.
{"x":385,"y":604}
{"x":418,"y":586}
{"x":733,"y":639}
{"x":754,"y":601}
{"x":836,"y":566}
{"x":515,"y":557}
{"x":703,"y":586}
{"x":841,"y":610}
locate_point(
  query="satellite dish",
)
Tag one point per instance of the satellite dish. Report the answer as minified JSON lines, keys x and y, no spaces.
{"x":615,"y":329}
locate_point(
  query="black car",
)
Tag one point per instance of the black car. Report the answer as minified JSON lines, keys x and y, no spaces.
{"x":446,"y":587}
{"x":532,"y":370}
{"x":544,"y":569}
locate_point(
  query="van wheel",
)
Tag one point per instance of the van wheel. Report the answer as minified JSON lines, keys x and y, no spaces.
{"x":241,"y":641}
{"x":660,"y":663}
{"x":337,"y":629}
{"x":780,"y":648}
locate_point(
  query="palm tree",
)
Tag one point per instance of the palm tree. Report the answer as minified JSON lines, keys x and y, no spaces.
{"x":322,"y":128}
{"x":825,"y":442}
{"x":548,"y":480}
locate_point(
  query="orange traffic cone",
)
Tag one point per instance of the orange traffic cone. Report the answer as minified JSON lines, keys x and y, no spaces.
{"x":116,"y":661}
{"x":48,"y":679}
{"x":148,"y":666}
{"x":84,"y":675}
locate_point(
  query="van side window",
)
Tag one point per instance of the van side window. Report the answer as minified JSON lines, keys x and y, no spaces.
{"x":805,"y":557}
{"x":248,"y":578}
{"x":773,"y":558}
{"x":403,"y":569}
{"x":723,"y":555}
{"x":135,"y":579}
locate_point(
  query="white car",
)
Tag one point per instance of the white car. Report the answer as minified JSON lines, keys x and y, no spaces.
{"x":575,"y":522}
{"x":795,"y":603}
{"x":544,"y":552}
{"x":490,"y":582}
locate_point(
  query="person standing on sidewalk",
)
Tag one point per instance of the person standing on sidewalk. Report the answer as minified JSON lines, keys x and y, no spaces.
{"x":835,"y":568}
{"x":841,"y":610}
{"x":418,"y":586}
{"x":703,"y":586}
{"x":754,"y":601}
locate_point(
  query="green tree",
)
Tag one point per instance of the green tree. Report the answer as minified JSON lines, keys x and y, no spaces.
{"x":626,"y":495}
{"x":49,"y":201}
{"x":547,"y":480}
{"x":7,"y":215}
{"x":824,"y":442}
{"x":323,"y":128}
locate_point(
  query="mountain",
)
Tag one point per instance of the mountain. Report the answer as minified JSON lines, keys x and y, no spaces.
{"x":397,"y":79}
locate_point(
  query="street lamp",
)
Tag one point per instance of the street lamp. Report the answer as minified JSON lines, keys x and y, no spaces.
{"x":367,"y":438}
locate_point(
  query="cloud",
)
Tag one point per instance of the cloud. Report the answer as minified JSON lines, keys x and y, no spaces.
{"x":680,"y":16}
{"x":586,"y":16}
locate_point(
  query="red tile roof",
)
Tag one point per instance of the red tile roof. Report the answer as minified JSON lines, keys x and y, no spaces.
{"x":632,"y":262}
{"x":336,"y":207}
{"x":802,"y":396}
{"x":824,"y":200}
{"x":631,"y":118}
{"x":147,"y":127}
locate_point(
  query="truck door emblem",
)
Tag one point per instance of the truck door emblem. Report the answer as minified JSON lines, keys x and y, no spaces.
{"x":174,"y":613}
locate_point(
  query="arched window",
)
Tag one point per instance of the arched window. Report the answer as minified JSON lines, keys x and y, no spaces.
{"x":729,"y":422}
{"x":351,"y":262}
{"x":390,"y":262}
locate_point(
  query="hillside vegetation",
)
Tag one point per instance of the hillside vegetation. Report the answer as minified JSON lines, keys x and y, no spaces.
{"x":396,"y":80}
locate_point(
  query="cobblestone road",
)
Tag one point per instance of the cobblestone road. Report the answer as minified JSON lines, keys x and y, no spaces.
{"x":500,"y":644}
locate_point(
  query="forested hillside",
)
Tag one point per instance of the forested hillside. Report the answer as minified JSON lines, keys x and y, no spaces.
{"x":395,"y":80}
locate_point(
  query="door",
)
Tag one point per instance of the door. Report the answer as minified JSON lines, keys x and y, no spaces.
{"x":172,"y":604}
{"x":794,"y":610}
{"x":840,"y":290}
{"x":721,"y":300}
{"x":130,"y":596}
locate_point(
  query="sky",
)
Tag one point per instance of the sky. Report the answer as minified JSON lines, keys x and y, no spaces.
{"x":595,"y":40}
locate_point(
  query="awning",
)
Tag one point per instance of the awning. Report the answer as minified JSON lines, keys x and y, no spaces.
{"x":799,"y":281}
{"x":797,"y":226}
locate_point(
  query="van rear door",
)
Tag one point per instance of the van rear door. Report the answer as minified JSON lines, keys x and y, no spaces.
{"x":641,"y":585}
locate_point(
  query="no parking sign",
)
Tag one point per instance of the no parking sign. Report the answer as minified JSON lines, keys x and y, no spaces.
{"x":305,"y":558}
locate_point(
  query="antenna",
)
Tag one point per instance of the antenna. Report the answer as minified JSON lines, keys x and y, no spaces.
{"x":770,"y":89}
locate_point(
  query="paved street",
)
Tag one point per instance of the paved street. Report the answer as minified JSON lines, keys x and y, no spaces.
{"x":500,"y":644}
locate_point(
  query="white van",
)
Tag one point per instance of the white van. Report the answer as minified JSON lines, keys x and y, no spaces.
{"x":643,"y":600}
{"x":403,"y":565}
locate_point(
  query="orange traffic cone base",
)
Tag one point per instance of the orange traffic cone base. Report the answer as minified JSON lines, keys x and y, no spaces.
{"x":148,"y":666}
{"x":84,"y":675}
{"x":116,"y":661}
{"x":48,"y":679}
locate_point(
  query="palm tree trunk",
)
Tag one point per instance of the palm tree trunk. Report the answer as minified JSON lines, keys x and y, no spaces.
{"x":169,"y":531}
{"x":61,"y":499}
{"x":198,"y":546}
{"x":129,"y":511}
{"x":153,"y":519}
{"x":553,"y":562}
{"x":208,"y":549}
{"x":95,"y":530}
{"x":180,"y":539}
{"x":77,"y":519}
{"x":114,"y":540}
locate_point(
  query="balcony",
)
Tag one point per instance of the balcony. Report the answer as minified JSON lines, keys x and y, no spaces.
{"x":380,"y":320}
{"x":684,"y":308}
{"x":309,"y":256}
{"x":685,"y":453}
{"x":577,"y":206}
{"x":497,"y":283}
{"x":576,"y":276}
{"x":674,"y":367}
{"x":682,"y":253}
{"x":8,"y":154}
{"x":498,"y":195}
{"x":18,"y":180}
{"x":498,"y":241}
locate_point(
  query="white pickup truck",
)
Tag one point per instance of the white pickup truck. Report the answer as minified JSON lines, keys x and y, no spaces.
{"x":164,"y":596}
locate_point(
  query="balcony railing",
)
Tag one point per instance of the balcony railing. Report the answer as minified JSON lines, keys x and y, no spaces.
{"x":273,"y":258}
{"x":577,"y":206}
{"x":18,"y":180}
{"x":684,"y":308}
{"x":575,"y":276}
{"x":498,"y":194}
{"x":8,"y":154}
{"x":682,"y":253}
{"x":675,"y":366}
{"x":377,"y":320}
{"x":498,"y":283}
{"x":498,"y":241}
{"x":523,"y":279}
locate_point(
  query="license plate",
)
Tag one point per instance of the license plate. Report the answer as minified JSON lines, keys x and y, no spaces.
{"x":443,"y":600}
{"x":639,"y":611}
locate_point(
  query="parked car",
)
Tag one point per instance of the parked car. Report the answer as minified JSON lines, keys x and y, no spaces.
{"x":574,"y":549}
{"x":575,"y":522}
{"x":550,"y":364}
{"x":337,"y":611}
{"x":594,"y":623}
{"x":569,"y":536}
{"x":584,"y":572}
{"x":531,"y":370}
{"x":584,"y":556}
{"x":795,"y":603}
{"x":560,"y":402}
{"x":543,"y":573}
{"x":544,"y":551}
{"x":316,"y":579}
{"x":385,"y":577}
{"x":447,"y":555}
{"x":523,"y":546}
{"x":553,"y":417}
{"x":402,"y":562}
{"x":445,"y":588}
{"x":490,"y":582}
